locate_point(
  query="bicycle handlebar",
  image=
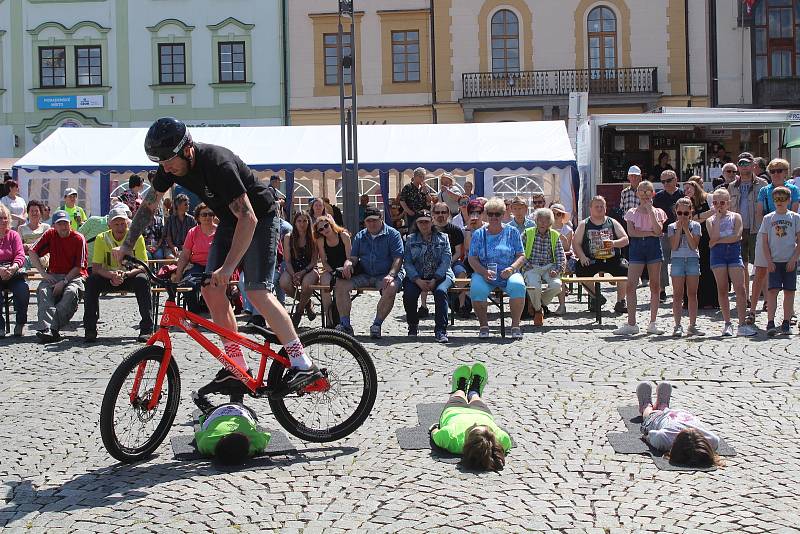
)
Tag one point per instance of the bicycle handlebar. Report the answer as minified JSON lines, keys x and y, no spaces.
{"x":162,"y":282}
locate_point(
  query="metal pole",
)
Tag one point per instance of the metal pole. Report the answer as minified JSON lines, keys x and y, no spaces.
{"x":348,"y":119}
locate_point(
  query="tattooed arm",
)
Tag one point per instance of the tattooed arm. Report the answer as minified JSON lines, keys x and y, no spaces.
{"x":142,"y":219}
{"x":242,"y":236}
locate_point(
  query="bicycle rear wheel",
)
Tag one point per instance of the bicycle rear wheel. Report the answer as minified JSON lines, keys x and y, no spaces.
{"x":130,"y":431}
{"x":338,"y":412}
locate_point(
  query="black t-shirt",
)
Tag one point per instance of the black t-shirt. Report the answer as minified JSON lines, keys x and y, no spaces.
{"x":218,"y":177}
{"x":454,"y":234}
{"x":666,"y":202}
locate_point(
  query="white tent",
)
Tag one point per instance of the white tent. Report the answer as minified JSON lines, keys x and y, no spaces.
{"x":488,"y":148}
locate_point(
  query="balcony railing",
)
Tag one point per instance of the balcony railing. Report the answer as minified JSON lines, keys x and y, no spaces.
{"x":560,"y":82}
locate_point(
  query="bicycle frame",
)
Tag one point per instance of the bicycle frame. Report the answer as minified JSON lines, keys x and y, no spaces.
{"x":175,"y":317}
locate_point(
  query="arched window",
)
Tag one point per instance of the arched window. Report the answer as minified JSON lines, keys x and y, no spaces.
{"x":602,"y":39}
{"x":777,"y":38}
{"x":505,"y":41}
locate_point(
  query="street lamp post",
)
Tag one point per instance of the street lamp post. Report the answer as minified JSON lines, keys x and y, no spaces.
{"x":348,"y":118}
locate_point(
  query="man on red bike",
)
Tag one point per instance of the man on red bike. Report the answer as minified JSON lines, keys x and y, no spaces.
{"x":247,"y":236}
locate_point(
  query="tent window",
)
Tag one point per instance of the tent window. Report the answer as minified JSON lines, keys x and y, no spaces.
{"x":405,"y":56}
{"x":52,"y":66}
{"x":776,"y":32}
{"x":231,"y":62}
{"x":505,"y":42}
{"x":171,"y":64}
{"x":88,"y":66}
{"x":330,"y":43}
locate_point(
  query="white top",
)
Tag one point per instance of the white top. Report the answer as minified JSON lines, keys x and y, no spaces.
{"x":29,"y":236}
{"x":665,"y":426}
{"x":16,"y":206}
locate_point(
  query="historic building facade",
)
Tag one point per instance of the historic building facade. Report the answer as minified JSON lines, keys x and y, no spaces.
{"x":107,"y":63}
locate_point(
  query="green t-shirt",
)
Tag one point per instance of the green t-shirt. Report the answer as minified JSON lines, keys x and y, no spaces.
{"x":75,"y":212}
{"x":456,"y":421}
{"x":228,"y":419}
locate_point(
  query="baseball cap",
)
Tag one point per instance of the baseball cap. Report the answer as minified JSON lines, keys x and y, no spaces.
{"x":61,"y":215}
{"x":118,"y":212}
{"x":424,"y":214}
{"x":559,"y":207}
{"x":70,"y":191}
{"x":634,"y":169}
{"x":475,"y":205}
{"x":518,"y":201}
{"x":745,"y":157}
{"x":371,"y":211}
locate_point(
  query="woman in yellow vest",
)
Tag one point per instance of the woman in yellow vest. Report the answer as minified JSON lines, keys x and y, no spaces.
{"x":544,"y":262}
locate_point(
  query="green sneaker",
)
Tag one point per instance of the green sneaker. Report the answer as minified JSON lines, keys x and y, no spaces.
{"x":460,"y":378}
{"x":479,"y":378}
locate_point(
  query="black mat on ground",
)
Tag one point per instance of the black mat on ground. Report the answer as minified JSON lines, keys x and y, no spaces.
{"x":417,"y":438}
{"x":183,"y":447}
{"x":631,"y":442}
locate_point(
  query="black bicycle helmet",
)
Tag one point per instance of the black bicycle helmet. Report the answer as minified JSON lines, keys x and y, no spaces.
{"x":166,"y":138}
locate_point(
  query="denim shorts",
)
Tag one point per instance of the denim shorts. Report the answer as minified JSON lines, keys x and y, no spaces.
{"x":781,"y":279}
{"x":727,"y":255}
{"x":258,"y":262}
{"x":685,"y":266}
{"x":645,"y":250}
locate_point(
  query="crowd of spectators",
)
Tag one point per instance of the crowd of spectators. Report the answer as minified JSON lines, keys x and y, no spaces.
{"x":432,"y":241}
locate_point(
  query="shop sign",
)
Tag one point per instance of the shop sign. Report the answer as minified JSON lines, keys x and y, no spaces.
{"x":793,"y":116}
{"x":717,"y":134}
{"x":69,"y":102}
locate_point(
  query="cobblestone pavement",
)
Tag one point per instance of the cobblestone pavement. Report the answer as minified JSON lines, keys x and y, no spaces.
{"x":556,"y":392}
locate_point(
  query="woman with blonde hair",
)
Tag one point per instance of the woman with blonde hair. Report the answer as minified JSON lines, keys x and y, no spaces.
{"x":707,"y":286}
{"x":467,"y":426}
{"x":333,"y":248}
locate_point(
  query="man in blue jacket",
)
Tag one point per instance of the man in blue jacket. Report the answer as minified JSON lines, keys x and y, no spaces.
{"x":376,"y":260}
{"x":427,"y":264}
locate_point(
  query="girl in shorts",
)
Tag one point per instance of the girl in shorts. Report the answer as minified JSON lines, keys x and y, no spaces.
{"x":684,"y":237}
{"x":725,"y":235}
{"x":645,"y":226}
{"x":677,"y":432}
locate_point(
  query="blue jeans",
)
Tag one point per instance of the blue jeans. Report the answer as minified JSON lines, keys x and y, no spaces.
{"x":20,"y":294}
{"x":411,"y":293}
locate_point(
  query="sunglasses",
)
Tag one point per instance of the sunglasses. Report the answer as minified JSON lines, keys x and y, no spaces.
{"x":441,"y":213}
{"x":207,"y":214}
{"x":494,"y":213}
{"x":745,"y":163}
{"x":322,"y":227}
{"x":780,"y":198}
{"x":778,"y":171}
{"x":719,"y":202}
{"x":683,"y":213}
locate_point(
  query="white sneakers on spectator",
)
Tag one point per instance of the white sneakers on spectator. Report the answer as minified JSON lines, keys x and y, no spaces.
{"x":745,"y":330}
{"x":677,"y":331}
{"x":654,"y":329}
{"x":727,"y":330}
{"x":627,"y":330}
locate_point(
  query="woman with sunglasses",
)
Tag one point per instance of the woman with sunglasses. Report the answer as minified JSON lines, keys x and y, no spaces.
{"x":725,"y":231}
{"x":707,"y":285}
{"x":333,"y":248}
{"x":684,"y":237}
{"x":194,"y":254}
{"x":300,"y":257}
{"x":499,"y":247}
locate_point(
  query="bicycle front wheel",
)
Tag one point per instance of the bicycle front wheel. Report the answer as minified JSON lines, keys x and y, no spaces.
{"x":131,"y":432}
{"x":338,"y":412}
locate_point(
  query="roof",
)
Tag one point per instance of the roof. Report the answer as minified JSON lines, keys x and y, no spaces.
{"x":713,"y":117}
{"x":473,"y":145}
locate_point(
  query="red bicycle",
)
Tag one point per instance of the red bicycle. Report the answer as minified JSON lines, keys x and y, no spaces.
{"x":142,"y":397}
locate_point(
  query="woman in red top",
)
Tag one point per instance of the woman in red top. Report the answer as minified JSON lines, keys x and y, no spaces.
{"x":12,"y":258}
{"x":195,"y":253}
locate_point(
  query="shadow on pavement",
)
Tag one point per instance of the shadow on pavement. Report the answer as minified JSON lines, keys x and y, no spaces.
{"x":119,"y":483}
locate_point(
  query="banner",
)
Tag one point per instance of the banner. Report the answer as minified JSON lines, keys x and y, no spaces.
{"x":69,"y":102}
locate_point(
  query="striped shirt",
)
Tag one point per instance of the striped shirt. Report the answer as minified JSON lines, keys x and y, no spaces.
{"x":628,"y":199}
{"x":542,"y":253}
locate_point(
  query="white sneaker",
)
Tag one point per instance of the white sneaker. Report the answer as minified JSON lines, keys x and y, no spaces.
{"x":727,"y":330}
{"x":677,"y":331}
{"x":694,"y":331}
{"x":626,"y":330}
{"x":654,"y":329}
{"x":745,"y":330}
